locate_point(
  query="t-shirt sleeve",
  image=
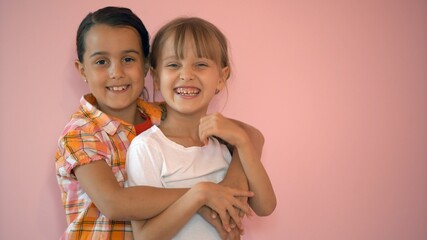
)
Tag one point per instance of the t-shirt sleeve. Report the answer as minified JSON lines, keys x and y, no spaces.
{"x":144,"y":164}
{"x":77,"y":148}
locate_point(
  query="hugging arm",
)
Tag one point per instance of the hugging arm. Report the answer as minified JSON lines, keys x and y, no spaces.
{"x":141,"y":202}
{"x":145,"y":166}
{"x":249,"y":150}
{"x":168,"y":223}
{"x":235,"y":178}
{"x":97,"y":180}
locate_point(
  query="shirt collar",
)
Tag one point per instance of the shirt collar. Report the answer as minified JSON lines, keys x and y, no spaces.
{"x":111,"y":124}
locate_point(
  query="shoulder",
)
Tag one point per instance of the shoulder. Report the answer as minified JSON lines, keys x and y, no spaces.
{"x":80,"y":127}
{"x":147,"y":144}
{"x":150,"y":136}
{"x":86,"y":118}
{"x":81,"y":135}
{"x":144,"y":151}
{"x":80,"y":143}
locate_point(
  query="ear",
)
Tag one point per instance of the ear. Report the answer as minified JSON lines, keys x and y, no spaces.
{"x":146,"y":68}
{"x":80,"y":68}
{"x":225,"y":74}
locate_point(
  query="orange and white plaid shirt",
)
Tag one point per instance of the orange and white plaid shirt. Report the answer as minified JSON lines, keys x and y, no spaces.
{"x":92,"y":135}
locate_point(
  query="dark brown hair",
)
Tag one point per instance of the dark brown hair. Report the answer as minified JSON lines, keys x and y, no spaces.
{"x":111,"y":16}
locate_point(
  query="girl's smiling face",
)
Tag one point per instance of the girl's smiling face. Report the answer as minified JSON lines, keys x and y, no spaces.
{"x":189,"y":83}
{"x":113,"y":66}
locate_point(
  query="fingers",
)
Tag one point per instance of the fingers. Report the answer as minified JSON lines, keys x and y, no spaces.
{"x":234,"y":234}
{"x":225,"y":219}
{"x":214,"y":215}
{"x":232,"y":223}
{"x":240,"y":201}
{"x":241,"y":214}
{"x":217,"y":125}
{"x":242,"y":207}
{"x":231,"y":218}
{"x":242,"y":193}
{"x":226,"y":214}
{"x":204,"y":133}
{"x":210,"y":125}
{"x":235,"y":218}
{"x":235,"y":231}
{"x":211,"y":217}
{"x":225,"y":201}
{"x":243,"y":200}
{"x":218,"y":226}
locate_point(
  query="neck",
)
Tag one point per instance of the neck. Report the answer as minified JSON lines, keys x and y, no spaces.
{"x":182,"y":129}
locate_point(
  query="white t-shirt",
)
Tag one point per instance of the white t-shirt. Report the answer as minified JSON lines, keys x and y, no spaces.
{"x":154,"y":160}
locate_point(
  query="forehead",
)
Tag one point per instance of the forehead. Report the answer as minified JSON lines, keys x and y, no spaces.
{"x":188,"y":42}
{"x":107,"y":38}
{"x":176,"y":48}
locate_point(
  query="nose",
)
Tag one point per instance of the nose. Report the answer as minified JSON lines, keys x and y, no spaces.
{"x":116,"y":71}
{"x":186,"y":73}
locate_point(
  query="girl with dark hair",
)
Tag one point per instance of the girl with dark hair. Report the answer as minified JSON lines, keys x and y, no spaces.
{"x":113,"y":49}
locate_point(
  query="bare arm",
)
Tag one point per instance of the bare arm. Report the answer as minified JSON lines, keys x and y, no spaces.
{"x":169,"y":222}
{"x":256,"y":137}
{"x":235,"y":178}
{"x":264,"y":201}
{"x":141,"y":202}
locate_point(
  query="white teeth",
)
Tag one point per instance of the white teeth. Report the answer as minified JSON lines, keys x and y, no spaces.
{"x":187,"y":91}
{"x":118,"y":88}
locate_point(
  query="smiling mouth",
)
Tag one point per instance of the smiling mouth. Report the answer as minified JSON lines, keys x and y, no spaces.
{"x":187,"y":91}
{"x":118,"y":88}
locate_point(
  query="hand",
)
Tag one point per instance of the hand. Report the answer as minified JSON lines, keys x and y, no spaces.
{"x":223,"y":200}
{"x":211,"y":217}
{"x":234,"y":234}
{"x":243,"y":199}
{"x":217,"y":125}
{"x":236,"y":178}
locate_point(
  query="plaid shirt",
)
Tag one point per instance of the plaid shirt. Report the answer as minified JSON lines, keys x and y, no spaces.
{"x":92,"y":135}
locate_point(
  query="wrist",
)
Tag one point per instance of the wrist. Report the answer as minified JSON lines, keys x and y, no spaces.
{"x":198,"y":192}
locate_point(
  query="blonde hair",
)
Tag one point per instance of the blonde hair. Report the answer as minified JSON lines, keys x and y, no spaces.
{"x":209,"y":41}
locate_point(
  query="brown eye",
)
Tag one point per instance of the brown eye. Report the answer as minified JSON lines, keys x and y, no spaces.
{"x":128,"y":59}
{"x":101,"y":62}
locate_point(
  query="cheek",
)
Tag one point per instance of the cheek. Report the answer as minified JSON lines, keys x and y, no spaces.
{"x":166,"y":88}
{"x":163,"y":86}
{"x":165,"y":80}
{"x":96,"y":75}
{"x":138,"y":76}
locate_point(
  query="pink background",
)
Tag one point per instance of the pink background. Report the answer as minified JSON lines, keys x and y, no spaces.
{"x":339,"y":89}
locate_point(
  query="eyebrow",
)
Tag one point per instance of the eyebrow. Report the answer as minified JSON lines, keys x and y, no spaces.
{"x":106,"y":53}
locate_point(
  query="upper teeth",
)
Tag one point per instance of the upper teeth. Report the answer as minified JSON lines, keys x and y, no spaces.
{"x":118,"y":88}
{"x":191,"y":91}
